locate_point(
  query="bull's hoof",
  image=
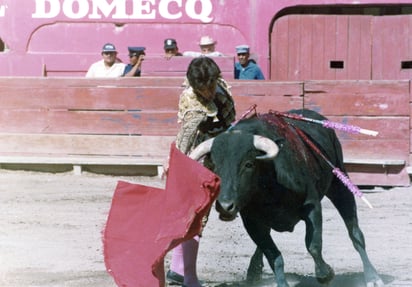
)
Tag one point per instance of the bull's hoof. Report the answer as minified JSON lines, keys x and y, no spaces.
{"x":253,"y":277}
{"x":282,"y":284}
{"x":325,"y":275}
{"x":377,"y":283}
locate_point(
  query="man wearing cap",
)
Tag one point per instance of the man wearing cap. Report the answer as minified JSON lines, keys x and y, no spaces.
{"x":109,"y":66}
{"x":134,"y":68}
{"x":245,"y":68}
{"x":207,"y":48}
{"x":171,"y":49}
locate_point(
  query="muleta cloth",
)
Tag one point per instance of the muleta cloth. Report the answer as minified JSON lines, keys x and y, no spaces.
{"x":135,"y":51}
{"x":108,"y":47}
{"x":170,"y":44}
{"x":144,"y":223}
{"x":242,"y":49}
{"x":207,"y":40}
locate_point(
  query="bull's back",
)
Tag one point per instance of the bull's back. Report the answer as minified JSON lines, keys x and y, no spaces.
{"x":324,"y":138}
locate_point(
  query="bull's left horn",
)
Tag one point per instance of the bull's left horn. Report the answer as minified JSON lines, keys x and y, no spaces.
{"x":202,"y":149}
{"x":266,"y":145}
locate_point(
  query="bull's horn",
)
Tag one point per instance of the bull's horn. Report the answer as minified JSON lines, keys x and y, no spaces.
{"x":266,"y":145}
{"x":201,"y":149}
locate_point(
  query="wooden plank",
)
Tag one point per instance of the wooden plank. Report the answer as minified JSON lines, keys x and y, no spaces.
{"x":280,"y":52}
{"x":177,"y":66}
{"x":375,"y":175}
{"x":368,"y":161}
{"x":89,"y":122}
{"x":319,"y":63}
{"x":358,"y":97}
{"x":378,"y":150}
{"x":330,"y":42}
{"x":42,"y":82}
{"x":359,"y":48}
{"x":342,"y":39}
{"x":82,"y":145}
{"x":306,"y":64}
{"x":389,"y":47}
{"x":91,"y":98}
{"x":151,"y":66}
{"x":83,"y":160}
{"x":294,"y":41}
{"x":267,"y":95}
{"x":388,"y":127}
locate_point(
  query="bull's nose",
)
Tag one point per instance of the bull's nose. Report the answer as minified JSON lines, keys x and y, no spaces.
{"x":228,"y":206}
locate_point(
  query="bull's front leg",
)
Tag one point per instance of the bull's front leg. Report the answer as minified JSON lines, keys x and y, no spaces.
{"x":260,"y":234}
{"x":313,"y":240}
{"x":255,"y":269}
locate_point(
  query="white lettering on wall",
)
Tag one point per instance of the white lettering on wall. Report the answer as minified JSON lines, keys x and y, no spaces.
{"x":143,"y":9}
{"x":70,"y":11}
{"x":3,"y":10}
{"x":164,"y":9}
{"x":205,"y":12}
{"x":102,"y":7}
{"x":120,"y":9}
{"x":46,"y":9}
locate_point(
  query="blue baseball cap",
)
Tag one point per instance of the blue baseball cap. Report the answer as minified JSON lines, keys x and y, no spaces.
{"x":108,"y":47}
{"x":134,"y":51}
{"x":242,"y":49}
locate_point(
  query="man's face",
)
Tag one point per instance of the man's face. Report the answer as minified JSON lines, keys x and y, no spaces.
{"x":208,"y":92}
{"x":243,"y":58}
{"x":171,"y":52}
{"x":109,"y":58}
{"x":206,"y":49}
{"x":135,"y":57}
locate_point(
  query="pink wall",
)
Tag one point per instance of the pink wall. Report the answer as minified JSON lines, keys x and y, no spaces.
{"x":33,"y":29}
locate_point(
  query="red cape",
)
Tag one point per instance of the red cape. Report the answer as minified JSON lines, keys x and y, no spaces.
{"x":144,"y":223}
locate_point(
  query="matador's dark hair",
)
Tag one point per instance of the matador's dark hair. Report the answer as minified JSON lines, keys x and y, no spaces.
{"x":202,"y":71}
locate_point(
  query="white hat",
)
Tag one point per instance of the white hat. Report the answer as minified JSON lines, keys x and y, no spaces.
{"x":206,"y":40}
{"x":242,"y":49}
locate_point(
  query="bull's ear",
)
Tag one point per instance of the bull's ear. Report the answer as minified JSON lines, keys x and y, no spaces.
{"x":280,"y":141}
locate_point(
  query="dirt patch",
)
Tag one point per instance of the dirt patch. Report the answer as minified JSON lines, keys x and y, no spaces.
{"x":50,"y":236}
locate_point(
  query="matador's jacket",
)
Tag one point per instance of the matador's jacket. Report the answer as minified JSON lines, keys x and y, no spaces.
{"x":201,"y":119}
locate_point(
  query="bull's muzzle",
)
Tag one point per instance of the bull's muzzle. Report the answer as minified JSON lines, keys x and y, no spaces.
{"x":227,"y":210}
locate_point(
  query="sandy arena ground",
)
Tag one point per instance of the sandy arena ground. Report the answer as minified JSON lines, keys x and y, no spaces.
{"x":50,"y":236}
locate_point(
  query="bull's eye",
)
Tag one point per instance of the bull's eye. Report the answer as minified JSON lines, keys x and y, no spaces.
{"x":249,"y":164}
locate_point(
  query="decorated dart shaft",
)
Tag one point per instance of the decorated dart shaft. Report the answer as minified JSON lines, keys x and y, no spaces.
{"x":330,"y":124}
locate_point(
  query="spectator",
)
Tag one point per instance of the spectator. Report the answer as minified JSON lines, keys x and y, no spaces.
{"x":207,"y":48}
{"x":109,"y":66}
{"x":246,"y":68}
{"x":171,"y":48}
{"x":134,"y":68}
{"x":206,"y":108}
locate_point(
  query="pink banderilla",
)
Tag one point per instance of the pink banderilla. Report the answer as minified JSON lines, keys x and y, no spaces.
{"x":330,"y":124}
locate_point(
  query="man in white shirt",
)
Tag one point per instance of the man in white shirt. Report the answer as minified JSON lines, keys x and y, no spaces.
{"x":207,"y":48}
{"x":109,"y":66}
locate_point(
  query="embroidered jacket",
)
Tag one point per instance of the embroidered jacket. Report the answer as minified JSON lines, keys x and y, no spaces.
{"x":201,"y":119}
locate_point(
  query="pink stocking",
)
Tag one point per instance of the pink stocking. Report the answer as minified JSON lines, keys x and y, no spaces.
{"x":190,"y":249}
{"x":176,"y":264}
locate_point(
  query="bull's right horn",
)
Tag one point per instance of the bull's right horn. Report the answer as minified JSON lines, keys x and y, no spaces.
{"x":268,"y":146}
{"x":202,"y":149}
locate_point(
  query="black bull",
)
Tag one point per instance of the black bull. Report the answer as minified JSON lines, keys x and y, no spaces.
{"x":274,"y":179}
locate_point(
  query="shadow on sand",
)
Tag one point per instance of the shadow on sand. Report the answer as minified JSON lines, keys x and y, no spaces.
{"x":296,"y":280}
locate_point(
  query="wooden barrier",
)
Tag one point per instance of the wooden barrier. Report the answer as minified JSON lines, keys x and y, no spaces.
{"x":381,"y":106}
{"x":133,"y":121}
{"x":54,"y":66}
{"x":123,"y":121}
